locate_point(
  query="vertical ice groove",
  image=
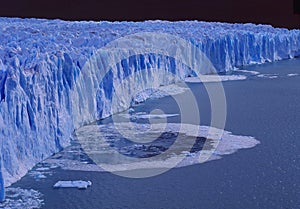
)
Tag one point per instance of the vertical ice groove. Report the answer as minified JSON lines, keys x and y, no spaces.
{"x":41,"y":74}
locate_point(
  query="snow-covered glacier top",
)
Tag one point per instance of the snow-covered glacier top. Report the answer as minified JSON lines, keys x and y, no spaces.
{"x":43,"y":96}
{"x":32,"y":40}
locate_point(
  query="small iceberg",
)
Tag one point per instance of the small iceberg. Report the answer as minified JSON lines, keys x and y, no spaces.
{"x":73,"y":184}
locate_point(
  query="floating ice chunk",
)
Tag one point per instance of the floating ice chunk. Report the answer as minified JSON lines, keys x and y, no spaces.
{"x":158,"y":116}
{"x":271,"y":76}
{"x":54,"y":166}
{"x":131,"y":110}
{"x":73,"y":184}
{"x":43,"y":169}
{"x":214,"y":78}
{"x":148,"y":116}
{"x":228,"y":144}
{"x":214,"y":149}
{"x":22,"y":198}
{"x":292,"y":74}
{"x":247,"y":71}
{"x":37,"y":175}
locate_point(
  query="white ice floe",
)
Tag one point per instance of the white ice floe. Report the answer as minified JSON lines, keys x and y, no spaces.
{"x":108,"y":158}
{"x":43,"y":169}
{"x":148,"y":116}
{"x":19,"y":198}
{"x":130,"y":110}
{"x":292,"y":74}
{"x":271,"y":76}
{"x":214,"y":78}
{"x":37,"y":174}
{"x":247,"y":71}
{"x":73,"y":184}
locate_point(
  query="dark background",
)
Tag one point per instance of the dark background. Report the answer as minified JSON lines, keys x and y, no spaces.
{"x":280,"y":13}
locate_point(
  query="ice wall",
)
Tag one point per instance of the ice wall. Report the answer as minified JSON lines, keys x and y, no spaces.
{"x":43,"y":93}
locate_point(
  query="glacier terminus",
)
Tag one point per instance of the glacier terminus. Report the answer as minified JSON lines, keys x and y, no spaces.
{"x":42,"y":89}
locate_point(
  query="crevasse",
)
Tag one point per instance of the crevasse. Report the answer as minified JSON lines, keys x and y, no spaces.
{"x":43,"y":95}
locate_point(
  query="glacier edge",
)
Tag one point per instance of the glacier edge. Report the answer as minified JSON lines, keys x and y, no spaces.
{"x":40,"y":71}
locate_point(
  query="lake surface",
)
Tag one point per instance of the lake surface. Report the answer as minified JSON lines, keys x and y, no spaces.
{"x":265,"y":106}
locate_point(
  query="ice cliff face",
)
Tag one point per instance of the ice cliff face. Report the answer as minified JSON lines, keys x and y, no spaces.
{"x":49,"y":86}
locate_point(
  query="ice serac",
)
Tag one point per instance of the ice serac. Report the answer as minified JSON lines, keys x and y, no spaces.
{"x":41,"y":67}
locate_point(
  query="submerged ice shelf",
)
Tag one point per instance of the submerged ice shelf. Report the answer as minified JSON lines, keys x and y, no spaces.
{"x":43,"y":96}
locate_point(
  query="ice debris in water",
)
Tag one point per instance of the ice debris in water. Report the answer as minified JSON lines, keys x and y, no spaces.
{"x":73,"y":184}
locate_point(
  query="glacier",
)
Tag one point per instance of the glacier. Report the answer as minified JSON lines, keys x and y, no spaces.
{"x":49,"y":82}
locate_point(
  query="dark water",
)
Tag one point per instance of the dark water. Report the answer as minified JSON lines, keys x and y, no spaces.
{"x":267,"y":176}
